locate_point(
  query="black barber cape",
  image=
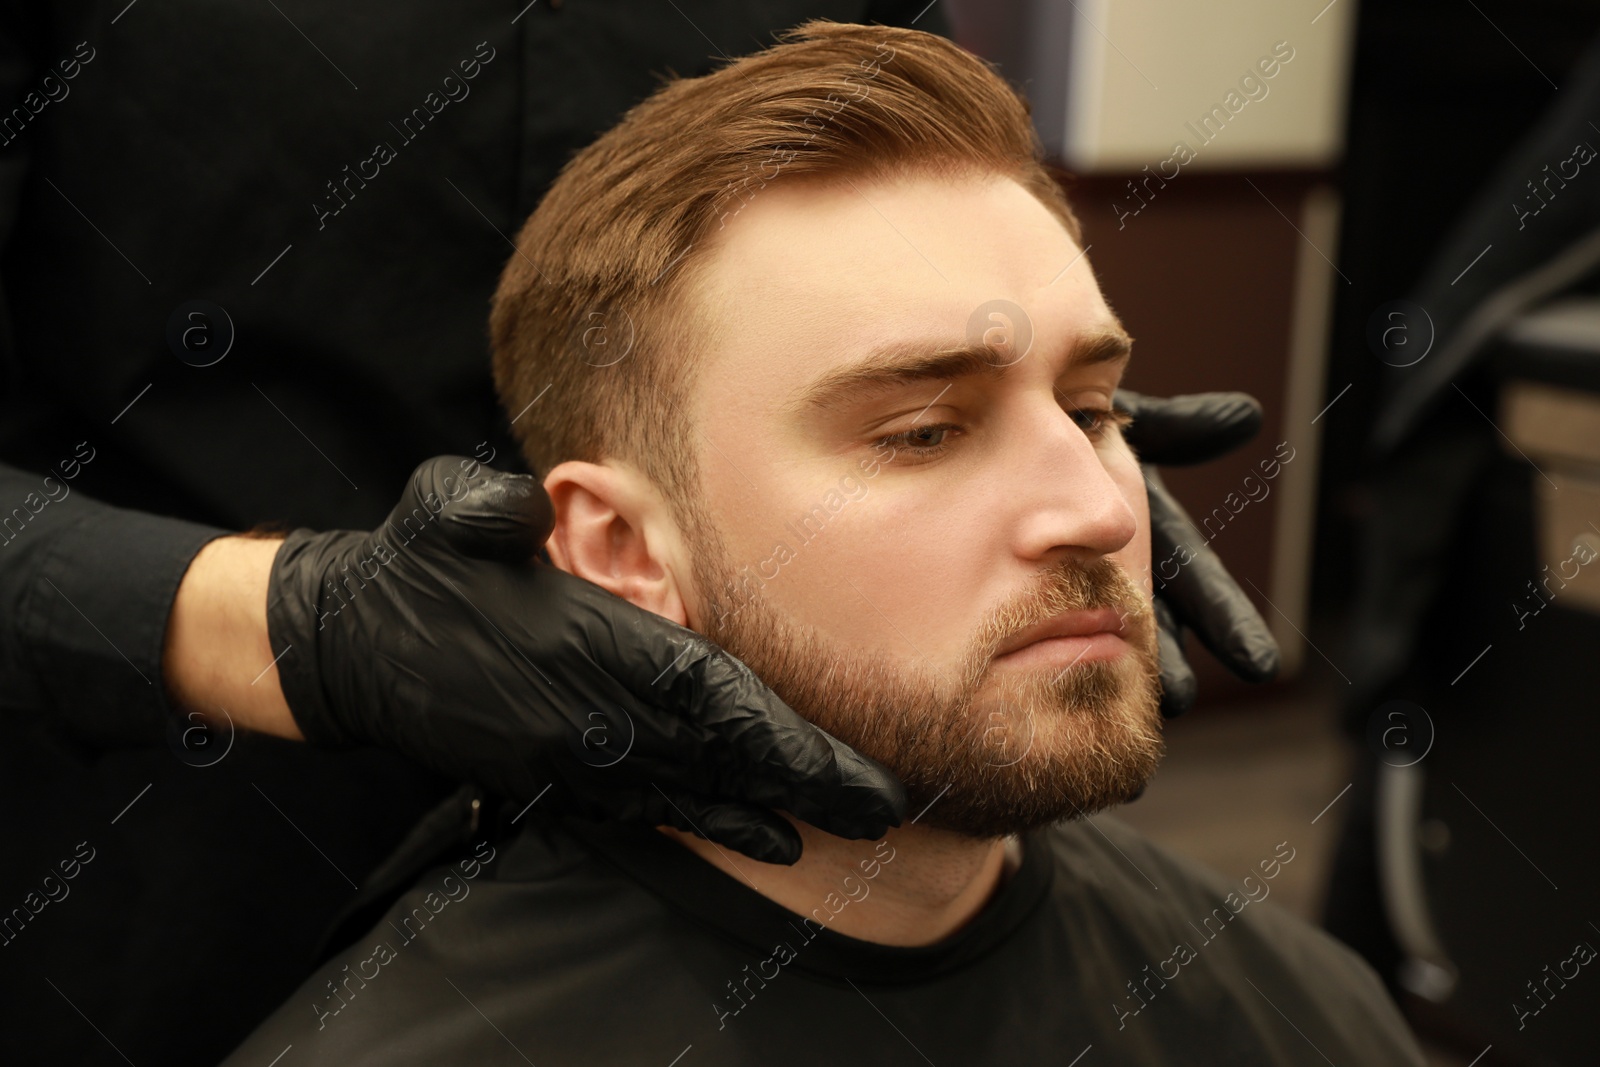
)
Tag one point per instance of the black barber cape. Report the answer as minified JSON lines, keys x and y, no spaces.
{"x":590,"y":945}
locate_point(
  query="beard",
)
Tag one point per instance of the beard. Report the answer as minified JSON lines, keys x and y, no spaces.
{"x":982,"y":753}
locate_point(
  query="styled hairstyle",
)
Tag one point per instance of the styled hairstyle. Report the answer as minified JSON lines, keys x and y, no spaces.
{"x":596,"y":309}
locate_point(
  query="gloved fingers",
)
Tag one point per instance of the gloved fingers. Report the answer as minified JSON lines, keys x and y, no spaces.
{"x":1200,"y":592}
{"x":1178,"y":685}
{"x":767,"y":754}
{"x":481,"y":512}
{"x":1188,"y":429}
{"x":745,"y":741}
{"x":758,"y":833}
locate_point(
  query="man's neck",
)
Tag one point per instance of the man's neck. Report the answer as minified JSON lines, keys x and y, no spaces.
{"x":916,"y":886}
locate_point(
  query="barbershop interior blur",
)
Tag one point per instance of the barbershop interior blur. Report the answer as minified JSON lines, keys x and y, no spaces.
{"x":1377,"y":219}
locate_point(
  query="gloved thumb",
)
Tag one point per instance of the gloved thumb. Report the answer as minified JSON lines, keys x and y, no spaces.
{"x":481,"y":512}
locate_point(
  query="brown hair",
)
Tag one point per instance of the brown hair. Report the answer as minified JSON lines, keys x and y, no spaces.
{"x":591,"y":309}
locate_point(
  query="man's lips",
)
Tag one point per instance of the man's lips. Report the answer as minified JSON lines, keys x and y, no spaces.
{"x":1068,"y":624}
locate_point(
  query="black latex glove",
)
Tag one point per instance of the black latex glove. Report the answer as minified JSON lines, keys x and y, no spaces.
{"x":468,"y":656}
{"x":1202,"y":596}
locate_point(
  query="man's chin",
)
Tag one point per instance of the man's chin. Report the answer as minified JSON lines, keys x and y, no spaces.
{"x":1040,"y":748}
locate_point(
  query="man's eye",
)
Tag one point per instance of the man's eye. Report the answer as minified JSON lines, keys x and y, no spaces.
{"x":1097,"y":422}
{"x":920,"y":441}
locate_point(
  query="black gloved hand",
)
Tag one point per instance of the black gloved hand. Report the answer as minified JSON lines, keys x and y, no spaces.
{"x":1203,"y":595}
{"x":440,"y":637}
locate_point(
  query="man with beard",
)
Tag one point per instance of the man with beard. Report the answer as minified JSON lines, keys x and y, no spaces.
{"x":832,"y":281}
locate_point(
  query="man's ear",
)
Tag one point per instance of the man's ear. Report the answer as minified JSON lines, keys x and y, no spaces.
{"x":612,"y":528}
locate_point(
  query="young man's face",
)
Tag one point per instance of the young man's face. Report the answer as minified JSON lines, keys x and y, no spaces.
{"x":871,"y":578}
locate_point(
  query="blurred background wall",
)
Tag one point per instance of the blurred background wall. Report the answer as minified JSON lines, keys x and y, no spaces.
{"x":1257,"y":181}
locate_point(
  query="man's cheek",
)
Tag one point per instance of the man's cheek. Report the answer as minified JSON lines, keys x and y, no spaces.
{"x":1126,"y":473}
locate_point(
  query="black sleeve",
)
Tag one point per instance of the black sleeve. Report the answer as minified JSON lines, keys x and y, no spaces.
{"x":85,"y":591}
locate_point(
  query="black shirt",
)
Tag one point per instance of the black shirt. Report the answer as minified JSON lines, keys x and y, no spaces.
{"x":592,"y":945}
{"x":154,"y":154}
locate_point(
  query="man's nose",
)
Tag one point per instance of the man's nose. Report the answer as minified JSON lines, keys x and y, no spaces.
{"x":1069,"y":499}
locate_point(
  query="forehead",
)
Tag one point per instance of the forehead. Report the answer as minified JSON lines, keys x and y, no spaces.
{"x":813,"y":273}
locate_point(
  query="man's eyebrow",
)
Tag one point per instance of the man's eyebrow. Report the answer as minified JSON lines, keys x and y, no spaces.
{"x":908,"y":362}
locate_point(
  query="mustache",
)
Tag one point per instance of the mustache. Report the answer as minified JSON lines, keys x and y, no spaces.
{"x":1066,"y":585}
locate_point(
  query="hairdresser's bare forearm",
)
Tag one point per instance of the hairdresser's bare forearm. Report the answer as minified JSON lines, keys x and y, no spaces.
{"x":217,"y":653}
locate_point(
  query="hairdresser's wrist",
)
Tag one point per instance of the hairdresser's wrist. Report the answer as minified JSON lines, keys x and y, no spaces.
{"x":217,"y":657}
